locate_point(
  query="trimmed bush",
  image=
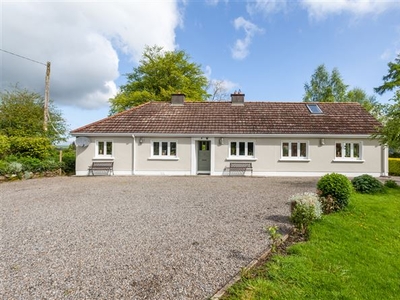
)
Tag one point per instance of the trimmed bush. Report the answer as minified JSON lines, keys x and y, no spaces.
{"x":305,"y":208}
{"x":366,"y":184}
{"x":394,"y":166}
{"x":338,"y":187}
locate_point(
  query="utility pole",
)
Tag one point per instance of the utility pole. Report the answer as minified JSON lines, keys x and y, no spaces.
{"x":46,"y":96}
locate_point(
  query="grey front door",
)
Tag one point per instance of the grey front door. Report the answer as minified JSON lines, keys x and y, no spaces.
{"x":203,"y":157}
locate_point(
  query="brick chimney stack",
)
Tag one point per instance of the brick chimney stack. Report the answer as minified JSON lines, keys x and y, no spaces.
{"x":237,"y":98}
{"x":178,"y":99}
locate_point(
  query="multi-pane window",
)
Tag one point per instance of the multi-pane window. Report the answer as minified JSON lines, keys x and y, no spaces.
{"x":104,"y":148}
{"x":164,"y":149}
{"x":241,"y":149}
{"x":348,"y":150}
{"x":296,"y":150}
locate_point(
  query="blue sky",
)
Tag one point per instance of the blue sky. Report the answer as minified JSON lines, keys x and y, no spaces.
{"x":268,"y":49}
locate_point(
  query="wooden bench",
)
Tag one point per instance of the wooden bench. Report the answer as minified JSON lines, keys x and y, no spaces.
{"x":102,"y":166}
{"x":240,"y":168}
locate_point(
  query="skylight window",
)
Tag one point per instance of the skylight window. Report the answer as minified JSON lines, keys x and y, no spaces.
{"x":314,"y":108}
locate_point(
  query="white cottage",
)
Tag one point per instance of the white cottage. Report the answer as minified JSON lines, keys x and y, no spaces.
{"x":273,"y":138}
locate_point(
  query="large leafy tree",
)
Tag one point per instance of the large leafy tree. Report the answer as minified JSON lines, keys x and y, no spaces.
{"x":22,"y":115}
{"x":325,"y":87}
{"x":389,"y":134}
{"x":159,"y":74}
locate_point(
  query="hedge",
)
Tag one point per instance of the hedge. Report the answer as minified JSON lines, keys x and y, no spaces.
{"x":394,"y":166}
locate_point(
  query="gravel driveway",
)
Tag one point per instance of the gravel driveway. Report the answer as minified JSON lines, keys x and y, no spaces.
{"x":135,"y":237}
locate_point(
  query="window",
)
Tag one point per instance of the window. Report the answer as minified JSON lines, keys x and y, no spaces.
{"x":314,"y":108}
{"x":164,"y":149}
{"x":104,"y":148}
{"x":294,"y":150}
{"x":348,"y":150}
{"x":241,"y":149}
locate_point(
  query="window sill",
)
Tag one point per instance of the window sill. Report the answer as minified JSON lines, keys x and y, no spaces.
{"x":103,"y":158}
{"x":244,"y":158}
{"x":348,"y":160}
{"x":295,"y":159}
{"x":162,"y":158}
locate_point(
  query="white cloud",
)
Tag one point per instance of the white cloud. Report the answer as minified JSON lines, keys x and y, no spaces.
{"x":266,"y":7}
{"x":83,"y":41}
{"x":320,"y":9}
{"x":241,"y":48}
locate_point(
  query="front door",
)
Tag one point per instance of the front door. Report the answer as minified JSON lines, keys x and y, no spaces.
{"x":204,"y":157}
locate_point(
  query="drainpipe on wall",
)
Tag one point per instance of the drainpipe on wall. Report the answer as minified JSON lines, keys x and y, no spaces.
{"x":133,"y":154}
{"x":385,"y":161}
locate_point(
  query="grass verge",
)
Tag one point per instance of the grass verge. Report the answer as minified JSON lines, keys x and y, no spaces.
{"x":353,"y":254}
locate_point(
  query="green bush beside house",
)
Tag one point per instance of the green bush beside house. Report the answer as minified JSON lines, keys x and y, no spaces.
{"x":394,"y":166}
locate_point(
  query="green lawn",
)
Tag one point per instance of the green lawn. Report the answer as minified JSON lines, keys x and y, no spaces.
{"x":353,"y":254}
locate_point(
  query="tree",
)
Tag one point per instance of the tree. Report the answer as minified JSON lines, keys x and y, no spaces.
{"x":368,"y":102}
{"x":389,"y":134}
{"x":324,"y":87}
{"x":219,"y":91}
{"x":21,"y":115}
{"x":159,"y":75}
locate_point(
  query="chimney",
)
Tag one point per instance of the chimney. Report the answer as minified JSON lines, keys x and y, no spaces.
{"x":177,"y":99}
{"x":237,"y":98}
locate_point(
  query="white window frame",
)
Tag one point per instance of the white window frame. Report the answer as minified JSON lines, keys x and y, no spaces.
{"x":104,"y":155}
{"x":296,"y":157}
{"x":351,"y":158}
{"x":246,"y":156}
{"x":166,"y":156}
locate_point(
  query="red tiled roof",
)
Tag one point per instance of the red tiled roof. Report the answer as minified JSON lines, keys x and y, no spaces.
{"x":225,"y":118}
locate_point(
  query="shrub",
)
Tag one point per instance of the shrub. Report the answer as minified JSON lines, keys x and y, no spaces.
{"x":68,"y":164}
{"x":337,"y":186}
{"x":3,"y":167}
{"x":305,"y":208}
{"x":14,"y":168}
{"x":328,"y":204}
{"x":391,"y":184}
{"x":366,"y":184}
{"x":4,"y":145}
{"x":35,"y":147}
{"x":394,"y":166}
{"x":31,"y":164}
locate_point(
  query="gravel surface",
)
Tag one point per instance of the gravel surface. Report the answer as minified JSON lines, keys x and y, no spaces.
{"x":135,"y":237}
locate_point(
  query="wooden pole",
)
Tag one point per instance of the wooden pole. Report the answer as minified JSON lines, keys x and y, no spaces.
{"x":46,"y":97}
{"x":61,"y":156}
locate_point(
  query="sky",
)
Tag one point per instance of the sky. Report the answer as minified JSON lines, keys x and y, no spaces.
{"x":266,"y":48}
